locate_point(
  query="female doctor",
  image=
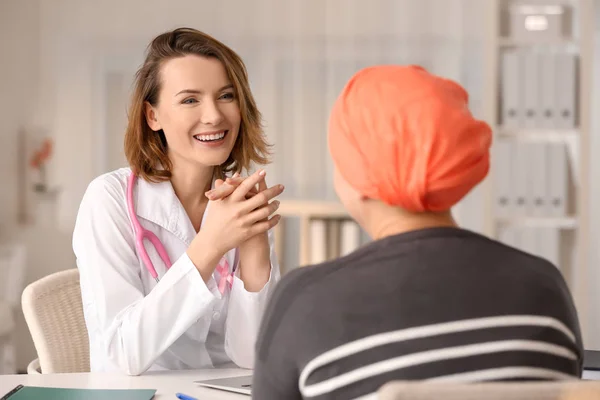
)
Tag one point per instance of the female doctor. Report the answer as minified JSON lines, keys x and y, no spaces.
{"x":171,"y":279}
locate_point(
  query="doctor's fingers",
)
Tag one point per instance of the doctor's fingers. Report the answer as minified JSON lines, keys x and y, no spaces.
{"x":262,"y":185}
{"x":220,"y":191}
{"x":264,"y":226}
{"x":262,"y":213}
{"x":248,"y":185}
{"x":262,"y":198}
{"x":225,"y":189}
{"x":236,"y":181}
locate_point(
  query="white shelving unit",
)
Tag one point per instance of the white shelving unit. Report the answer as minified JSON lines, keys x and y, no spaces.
{"x":573,"y":227}
{"x":308,"y":211}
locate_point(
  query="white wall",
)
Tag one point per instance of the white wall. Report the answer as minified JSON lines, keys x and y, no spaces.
{"x":19,"y":80}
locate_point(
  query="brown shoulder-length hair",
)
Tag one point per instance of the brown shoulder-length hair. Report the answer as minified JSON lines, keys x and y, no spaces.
{"x":144,"y":147}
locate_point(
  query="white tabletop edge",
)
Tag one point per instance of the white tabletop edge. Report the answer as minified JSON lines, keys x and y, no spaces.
{"x":166,"y":383}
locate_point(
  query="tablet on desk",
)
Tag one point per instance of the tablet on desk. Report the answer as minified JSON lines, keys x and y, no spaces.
{"x":591,"y":360}
{"x":238,"y":384}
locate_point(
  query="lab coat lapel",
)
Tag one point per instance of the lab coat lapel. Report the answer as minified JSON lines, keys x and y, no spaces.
{"x":157,"y":203}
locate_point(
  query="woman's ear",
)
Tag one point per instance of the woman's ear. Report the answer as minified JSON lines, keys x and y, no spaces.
{"x":151,"y":118}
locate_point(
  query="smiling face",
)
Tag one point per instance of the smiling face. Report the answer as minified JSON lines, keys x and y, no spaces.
{"x":197,"y":110}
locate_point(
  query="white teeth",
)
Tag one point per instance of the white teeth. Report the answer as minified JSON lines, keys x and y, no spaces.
{"x":216,"y":136}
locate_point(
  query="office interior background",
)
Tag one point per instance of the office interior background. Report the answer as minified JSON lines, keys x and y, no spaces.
{"x":532,"y":69}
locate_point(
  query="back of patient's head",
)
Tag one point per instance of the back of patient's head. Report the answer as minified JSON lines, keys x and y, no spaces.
{"x":406,"y":138}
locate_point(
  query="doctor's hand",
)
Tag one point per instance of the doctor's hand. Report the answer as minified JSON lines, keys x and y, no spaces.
{"x":255,"y":253}
{"x":233,"y":220}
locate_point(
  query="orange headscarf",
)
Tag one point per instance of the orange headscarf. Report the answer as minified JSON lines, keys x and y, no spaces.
{"x":406,"y":137}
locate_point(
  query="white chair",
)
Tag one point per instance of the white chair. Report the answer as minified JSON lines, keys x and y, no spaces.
{"x":54,"y":314}
{"x":539,"y":390}
{"x":12,"y":271}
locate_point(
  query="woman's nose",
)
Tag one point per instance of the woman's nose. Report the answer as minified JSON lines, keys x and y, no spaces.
{"x":211,"y":114}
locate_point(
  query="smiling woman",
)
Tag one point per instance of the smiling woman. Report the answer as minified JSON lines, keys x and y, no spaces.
{"x":172,"y":83}
{"x":192,"y":120}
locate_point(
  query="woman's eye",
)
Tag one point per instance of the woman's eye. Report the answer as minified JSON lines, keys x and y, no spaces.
{"x":189,"y":101}
{"x":227,"y":96}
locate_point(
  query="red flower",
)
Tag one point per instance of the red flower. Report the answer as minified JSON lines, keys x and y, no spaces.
{"x":42,"y":155}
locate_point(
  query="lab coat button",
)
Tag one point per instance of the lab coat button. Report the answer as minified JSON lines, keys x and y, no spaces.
{"x":216,"y":315}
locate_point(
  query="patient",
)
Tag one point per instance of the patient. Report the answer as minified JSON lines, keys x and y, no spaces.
{"x":425,"y":299}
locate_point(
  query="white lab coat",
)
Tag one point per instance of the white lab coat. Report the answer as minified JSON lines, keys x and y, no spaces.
{"x":135,"y":324}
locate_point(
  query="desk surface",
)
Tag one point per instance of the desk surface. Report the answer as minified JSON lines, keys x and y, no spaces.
{"x":166,"y":383}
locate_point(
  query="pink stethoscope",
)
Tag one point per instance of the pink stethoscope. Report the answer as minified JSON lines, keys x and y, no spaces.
{"x":141,"y":234}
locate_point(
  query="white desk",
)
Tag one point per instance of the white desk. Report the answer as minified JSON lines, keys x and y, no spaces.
{"x":166,"y":383}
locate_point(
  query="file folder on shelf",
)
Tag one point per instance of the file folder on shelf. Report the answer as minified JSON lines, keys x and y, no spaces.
{"x":557,"y":169}
{"x":519,"y":179}
{"x":567,"y":89}
{"x":549,"y":242}
{"x":333,"y":239}
{"x":549,"y":91}
{"x":511,"y":107}
{"x":529,"y":240}
{"x":537,"y":182}
{"x":318,"y":241}
{"x":531,"y":107}
{"x":502,"y":166}
{"x":509,"y":235}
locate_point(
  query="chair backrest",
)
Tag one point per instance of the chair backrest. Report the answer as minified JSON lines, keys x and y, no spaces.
{"x":54,"y":313}
{"x":539,"y":390}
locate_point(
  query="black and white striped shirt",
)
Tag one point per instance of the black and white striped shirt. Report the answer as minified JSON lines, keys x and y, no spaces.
{"x":439,"y":304}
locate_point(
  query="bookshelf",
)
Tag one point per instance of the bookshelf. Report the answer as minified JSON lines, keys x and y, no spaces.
{"x":326,"y":230}
{"x":528,"y":41}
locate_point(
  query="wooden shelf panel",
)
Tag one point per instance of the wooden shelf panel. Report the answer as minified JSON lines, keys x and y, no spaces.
{"x":540,"y":135}
{"x":311,"y":208}
{"x":540,"y":222}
